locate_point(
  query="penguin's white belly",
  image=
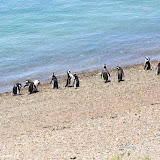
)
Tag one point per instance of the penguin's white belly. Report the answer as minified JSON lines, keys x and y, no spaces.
{"x":36,"y":83}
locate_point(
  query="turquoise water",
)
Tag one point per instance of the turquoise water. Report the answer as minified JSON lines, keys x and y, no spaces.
{"x":41,"y":37}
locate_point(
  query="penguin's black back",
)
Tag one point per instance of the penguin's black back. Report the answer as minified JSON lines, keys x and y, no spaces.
{"x":105,"y":76}
{"x":158,"y":69}
{"x":68,"y":81}
{"x":147,"y":65}
{"x":15,"y":89}
{"x":77,"y":82}
{"x":120,"y":74}
{"x":55,"y":82}
{"x":31,"y":87}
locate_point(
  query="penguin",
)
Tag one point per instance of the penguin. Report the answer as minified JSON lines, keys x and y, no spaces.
{"x":36,"y":83}
{"x":54,"y":82}
{"x":70,"y":78}
{"x":158,"y":69}
{"x":120,"y":73}
{"x":33,"y":86}
{"x":105,"y":74}
{"x":16,"y":89}
{"x":76,"y":81}
{"x":147,"y":65}
{"x":27,"y":83}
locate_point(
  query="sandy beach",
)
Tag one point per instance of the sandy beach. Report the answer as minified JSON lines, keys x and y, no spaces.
{"x":95,"y":121}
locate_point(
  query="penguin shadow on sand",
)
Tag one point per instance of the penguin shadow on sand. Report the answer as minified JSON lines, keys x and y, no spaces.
{"x":20,"y":94}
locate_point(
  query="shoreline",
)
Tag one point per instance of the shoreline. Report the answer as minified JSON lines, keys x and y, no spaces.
{"x":92,"y":122}
{"x":82,"y":74}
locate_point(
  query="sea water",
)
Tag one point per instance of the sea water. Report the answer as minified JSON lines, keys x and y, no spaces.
{"x":39,"y":37}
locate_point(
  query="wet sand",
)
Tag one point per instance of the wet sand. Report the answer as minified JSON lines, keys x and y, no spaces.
{"x":93,"y":122}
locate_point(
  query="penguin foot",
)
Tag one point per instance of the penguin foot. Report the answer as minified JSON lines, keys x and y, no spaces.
{"x":120,"y":80}
{"x":107,"y":81}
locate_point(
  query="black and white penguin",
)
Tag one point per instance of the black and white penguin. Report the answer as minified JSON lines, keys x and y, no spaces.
{"x":16,"y":89}
{"x":158,"y":69}
{"x":70,"y":78}
{"x":147,"y":65}
{"x":36,"y":83}
{"x":33,"y":86}
{"x":105,"y":74}
{"x":120,"y":73}
{"x":54,"y":82}
{"x":76,"y":81}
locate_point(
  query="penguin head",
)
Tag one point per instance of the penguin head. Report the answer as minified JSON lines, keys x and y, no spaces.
{"x":19,"y":85}
{"x":105,"y":66}
{"x":118,"y":67}
{"x":53,"y":75}
{"x":27,"y":83}
{"x":68,"y":71}
{"x":147,"y":59}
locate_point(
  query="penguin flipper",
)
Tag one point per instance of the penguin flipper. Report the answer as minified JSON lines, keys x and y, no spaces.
{"x":31,"y":88}
{"x":105,"y":76}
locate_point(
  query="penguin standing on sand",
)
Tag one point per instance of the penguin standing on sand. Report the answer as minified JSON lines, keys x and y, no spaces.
{"x":120,"y":73}
{"x":33,"y":86}
{"x":36,"y":83}
{"x":76,"y":81}
{"x":16,"y":89}
{"x":105,"y":74}
{"x":70,"y":78}
{"x":147,"y":64}
{"x":54,"y":82}
{"x":158,"y":69}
